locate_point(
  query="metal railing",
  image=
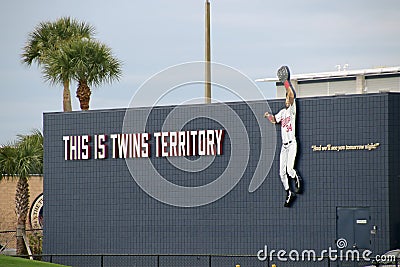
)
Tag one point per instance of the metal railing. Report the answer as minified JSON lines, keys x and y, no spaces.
{"x":199,"y":260}
{"x":7,"y":244}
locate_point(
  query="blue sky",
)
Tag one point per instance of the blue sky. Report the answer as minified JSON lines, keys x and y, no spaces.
{"x":255,"y":37}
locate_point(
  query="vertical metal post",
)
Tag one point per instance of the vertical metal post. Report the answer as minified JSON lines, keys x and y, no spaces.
{"x":102,"y":260}
{"x":208,"y":55}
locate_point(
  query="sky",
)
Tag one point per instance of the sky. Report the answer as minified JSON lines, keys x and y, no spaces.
{"x":255,"y":37}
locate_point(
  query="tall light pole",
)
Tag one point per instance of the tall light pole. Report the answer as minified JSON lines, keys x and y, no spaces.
{"x":207,"y":56}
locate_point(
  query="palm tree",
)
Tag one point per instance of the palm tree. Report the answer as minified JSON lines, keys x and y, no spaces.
{"x":20,"y":160}
{"x":90,"y":62}
{"x":51,"y":36}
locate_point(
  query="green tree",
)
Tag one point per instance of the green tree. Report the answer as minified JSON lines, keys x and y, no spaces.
{"x":92,"y":64}
{"x":48,"y":37}
{"x":19,"y":161}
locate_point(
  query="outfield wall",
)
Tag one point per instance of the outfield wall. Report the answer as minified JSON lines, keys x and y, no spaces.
{"x":347,"y":156}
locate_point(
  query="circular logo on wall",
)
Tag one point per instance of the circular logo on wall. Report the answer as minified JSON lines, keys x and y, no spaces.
{"x":36,"y":213}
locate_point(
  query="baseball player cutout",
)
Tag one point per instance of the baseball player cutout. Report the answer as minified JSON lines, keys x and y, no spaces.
{"x":287,"y":118}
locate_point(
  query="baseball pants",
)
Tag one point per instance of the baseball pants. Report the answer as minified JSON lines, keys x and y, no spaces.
{"x":287,"y":158}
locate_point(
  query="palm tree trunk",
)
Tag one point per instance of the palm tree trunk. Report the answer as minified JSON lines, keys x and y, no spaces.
{"x":83,"y":94}
{"x":67,"y":106}
{"x":21,"y":209}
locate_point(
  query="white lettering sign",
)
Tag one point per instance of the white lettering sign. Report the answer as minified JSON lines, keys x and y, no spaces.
{"x":136,"y":145}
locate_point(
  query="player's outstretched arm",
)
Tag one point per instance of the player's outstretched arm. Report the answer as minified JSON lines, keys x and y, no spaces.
{"x":290,"y":91}
{"x":270,"y":117}
{"x":283,"y":74}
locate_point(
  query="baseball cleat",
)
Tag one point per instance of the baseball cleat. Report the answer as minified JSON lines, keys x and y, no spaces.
{"x":298,"y":184}
{"x":289,"y":199}
{"x":283,"y":74}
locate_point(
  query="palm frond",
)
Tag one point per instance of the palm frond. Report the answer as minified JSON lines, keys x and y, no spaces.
{"x":8,"y":161}
{"x":95,"y":63}
{"x":46,"y":43}
{"x":24,"y":157}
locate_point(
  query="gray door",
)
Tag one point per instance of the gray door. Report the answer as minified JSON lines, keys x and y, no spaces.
{"x":353,"y":225}
{"x":353,"y":230}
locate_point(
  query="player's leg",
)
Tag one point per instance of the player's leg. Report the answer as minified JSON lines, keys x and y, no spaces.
{"x":282,"y":168}
{"x":290,"y":196}
{"x":292,"y":152}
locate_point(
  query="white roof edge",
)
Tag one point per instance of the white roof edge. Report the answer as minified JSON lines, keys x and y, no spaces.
{"x":336,"y":74}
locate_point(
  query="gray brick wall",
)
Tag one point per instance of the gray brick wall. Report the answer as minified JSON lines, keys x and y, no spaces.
{"x":394,"y":168}
{"x":95,"y":206}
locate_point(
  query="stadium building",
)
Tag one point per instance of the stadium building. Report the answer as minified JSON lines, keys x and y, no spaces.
{"x":342,"y":82}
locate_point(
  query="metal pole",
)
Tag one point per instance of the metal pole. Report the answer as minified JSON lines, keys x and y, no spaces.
{"x":208,"y":56}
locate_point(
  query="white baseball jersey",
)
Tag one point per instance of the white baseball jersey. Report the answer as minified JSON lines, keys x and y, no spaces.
{"x":287,"y":118}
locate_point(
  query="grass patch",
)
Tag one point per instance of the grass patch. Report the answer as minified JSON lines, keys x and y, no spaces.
{"x":7,"y":261}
